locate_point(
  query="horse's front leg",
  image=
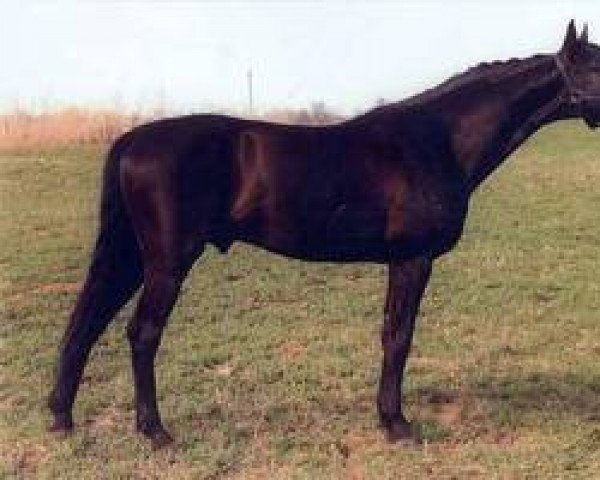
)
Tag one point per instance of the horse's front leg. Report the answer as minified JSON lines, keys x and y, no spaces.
{"x":406,"y":284}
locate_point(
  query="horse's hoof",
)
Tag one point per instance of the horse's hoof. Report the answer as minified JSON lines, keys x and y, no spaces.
{"x":160,"y":439}
{"x":157,"y":435}
{"x":62,"y":425}
{"x":402,"y":432}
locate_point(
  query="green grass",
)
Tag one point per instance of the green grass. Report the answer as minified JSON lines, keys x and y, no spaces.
{"x":269,"y":367}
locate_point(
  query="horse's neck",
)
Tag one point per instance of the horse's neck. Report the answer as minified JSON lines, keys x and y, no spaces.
{"x":493,"y":114}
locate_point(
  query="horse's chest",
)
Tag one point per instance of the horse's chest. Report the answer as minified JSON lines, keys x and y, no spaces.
{"x":411,"y":222}
{"x":425,"y":219}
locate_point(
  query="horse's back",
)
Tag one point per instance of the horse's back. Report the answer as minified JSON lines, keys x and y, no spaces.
{"x":305,"y":191}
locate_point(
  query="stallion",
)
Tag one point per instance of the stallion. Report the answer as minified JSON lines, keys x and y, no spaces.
{"x":389,"y":186}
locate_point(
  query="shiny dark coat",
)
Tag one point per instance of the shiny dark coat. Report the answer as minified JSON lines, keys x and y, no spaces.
{"x":390,"y":186}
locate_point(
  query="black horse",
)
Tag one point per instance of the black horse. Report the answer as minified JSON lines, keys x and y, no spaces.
{"x":392,"y":185}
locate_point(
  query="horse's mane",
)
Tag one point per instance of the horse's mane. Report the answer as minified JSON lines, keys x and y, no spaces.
{"x":488,"y":73}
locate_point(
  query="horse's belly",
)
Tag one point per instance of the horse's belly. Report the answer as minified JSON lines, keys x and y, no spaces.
{"x":361,"y":232}
{"x":343,"y":233}
{"x":432,"y":230}
{"x":341,"y":251}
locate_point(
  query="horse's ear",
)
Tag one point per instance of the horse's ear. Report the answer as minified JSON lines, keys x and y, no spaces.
{"x":570,"y":38}
{"x":583,"y":38}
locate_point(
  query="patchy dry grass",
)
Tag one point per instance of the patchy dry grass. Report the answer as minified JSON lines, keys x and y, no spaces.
{"x":269,"y":366}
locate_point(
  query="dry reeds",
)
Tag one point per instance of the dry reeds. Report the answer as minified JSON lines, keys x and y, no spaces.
{"x":76,"y":126}
{"x":21,"y":129}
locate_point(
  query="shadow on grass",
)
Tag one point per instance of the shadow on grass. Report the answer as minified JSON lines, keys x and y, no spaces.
{"x":489,"y":409}
{"x":494,"y":403}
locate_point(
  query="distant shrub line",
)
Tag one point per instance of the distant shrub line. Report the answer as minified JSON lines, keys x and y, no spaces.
{"x":79,"y":126}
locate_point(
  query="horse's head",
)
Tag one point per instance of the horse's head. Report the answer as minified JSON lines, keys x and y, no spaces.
{"x":579,"y":64}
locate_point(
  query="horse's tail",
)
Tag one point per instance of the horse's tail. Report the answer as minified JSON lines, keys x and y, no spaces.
{"x":114,"y":275}
{"x":116,"y":237}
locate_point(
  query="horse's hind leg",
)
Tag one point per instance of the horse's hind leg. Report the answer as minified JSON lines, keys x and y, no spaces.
{"x":114,"y":275}
{"x":151,"y":202}
{"x":161,"y":288}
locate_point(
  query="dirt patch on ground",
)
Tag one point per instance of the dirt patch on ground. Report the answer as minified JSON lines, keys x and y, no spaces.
{"x":353,"y":447}
{"x":163,"y":464}
{"x":291,"y":351}
{"x":7,"y":403}
{"x":107,"y":420}
{"x":27,"y":458}
{"x":355,"y":471}
{"x":48,"y":288}
{"x":504,"y":439}
{"x":359,"y":442}
{"x":17,"y":298}
{"x":449,"y":415}
{"x":59,"y":287}
{"x":263,"y":472}
{"x":420,"y":364}
{"x":447,"y":408}
{"x":223,"y":369}
{"x":463,"y":412}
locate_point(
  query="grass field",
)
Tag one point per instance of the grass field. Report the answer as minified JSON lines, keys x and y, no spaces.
{"x":269,"y":366}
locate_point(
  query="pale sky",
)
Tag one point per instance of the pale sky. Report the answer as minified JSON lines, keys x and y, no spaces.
{"x":194,"y":56}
